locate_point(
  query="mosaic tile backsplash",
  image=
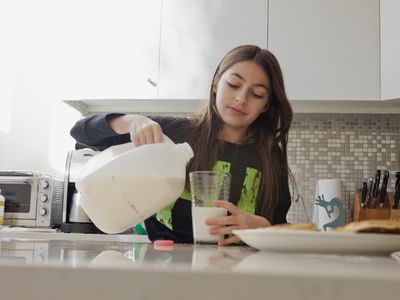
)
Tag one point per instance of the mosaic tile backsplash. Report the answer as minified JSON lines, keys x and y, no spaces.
{"x":346,"y":146}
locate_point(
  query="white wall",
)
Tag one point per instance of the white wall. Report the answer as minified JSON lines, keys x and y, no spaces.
{"x":34,"y":123}
{"x":68,"y":49}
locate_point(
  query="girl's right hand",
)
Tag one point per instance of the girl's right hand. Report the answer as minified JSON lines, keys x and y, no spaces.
{"x":141,"y":129}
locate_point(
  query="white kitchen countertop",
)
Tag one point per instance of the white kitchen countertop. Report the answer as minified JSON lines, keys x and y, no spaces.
{"x":47,"y":266}
{"x":52,"y":234}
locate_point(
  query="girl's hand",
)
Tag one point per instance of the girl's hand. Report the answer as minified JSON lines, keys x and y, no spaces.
{"x":141,"y":129}
{"x":237,"y":220}
{"x":145,"y":131}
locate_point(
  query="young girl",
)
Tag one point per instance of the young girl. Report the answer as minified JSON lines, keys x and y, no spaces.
{"x":242,"y":130}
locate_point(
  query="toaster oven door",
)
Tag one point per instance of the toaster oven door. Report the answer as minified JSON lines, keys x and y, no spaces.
{"x":21,"y":199}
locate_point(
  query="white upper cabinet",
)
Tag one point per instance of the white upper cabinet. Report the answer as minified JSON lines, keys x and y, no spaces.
{"x":107,"y":49}
{"x":330,"y":50}
{"x":169,"y":49}
{"x":196,"y":34}
{"x":390,"y":49}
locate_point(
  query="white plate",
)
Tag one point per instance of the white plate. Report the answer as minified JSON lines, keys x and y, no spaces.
{"x":319,"y":242}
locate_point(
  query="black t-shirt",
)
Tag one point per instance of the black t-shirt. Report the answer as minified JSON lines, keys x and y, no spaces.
{"x":174,"y":222}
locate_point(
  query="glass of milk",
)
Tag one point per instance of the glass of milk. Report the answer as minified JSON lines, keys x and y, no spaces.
{"x":206,"y":186}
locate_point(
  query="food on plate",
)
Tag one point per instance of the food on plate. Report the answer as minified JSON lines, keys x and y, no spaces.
{"x":299,"y":226}
{"x":372,"y":226}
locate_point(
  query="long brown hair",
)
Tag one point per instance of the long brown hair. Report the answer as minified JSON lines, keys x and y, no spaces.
{"x":269,"y":130}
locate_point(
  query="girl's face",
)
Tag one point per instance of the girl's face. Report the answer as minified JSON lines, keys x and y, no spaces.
{"x":242,"y":94}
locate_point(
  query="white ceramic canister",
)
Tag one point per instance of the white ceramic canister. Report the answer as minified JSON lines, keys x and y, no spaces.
{"x":329,"y":211}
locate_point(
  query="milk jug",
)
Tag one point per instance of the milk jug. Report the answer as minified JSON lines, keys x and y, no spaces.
{"x":124,"y":185}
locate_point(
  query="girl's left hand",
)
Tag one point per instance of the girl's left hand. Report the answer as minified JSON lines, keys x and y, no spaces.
{"x":237,"y":220}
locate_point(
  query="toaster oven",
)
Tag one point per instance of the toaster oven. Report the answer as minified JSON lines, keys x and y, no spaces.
{"x":32,"y":199}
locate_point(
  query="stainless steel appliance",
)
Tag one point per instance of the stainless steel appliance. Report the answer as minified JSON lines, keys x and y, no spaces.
{"x":74,"y":219}
{"x":32,"y":199}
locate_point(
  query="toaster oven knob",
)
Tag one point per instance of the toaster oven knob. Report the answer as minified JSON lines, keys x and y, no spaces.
{"x":43,"y":211}
{"x":44,"y":198}
{"x":45,"y":184}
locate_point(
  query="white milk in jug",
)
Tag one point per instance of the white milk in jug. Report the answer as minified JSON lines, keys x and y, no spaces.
{"x":138,"y":198}
{"x":122,"y":186}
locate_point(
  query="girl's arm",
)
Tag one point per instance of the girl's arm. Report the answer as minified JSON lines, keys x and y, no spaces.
{"x":141,"y":129}
{"x":103,"y":131}
{"x":94,"y":131}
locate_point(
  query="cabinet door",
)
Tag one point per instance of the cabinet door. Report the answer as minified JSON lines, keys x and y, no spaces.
{"x":390,"y":49}
{"x":196,"y":34}
{"x":328,"y":50}
{"x":108,"y":49}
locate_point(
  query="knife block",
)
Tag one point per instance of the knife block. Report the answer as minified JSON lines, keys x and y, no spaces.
{"x":394,"y":213}
{"x":376,"y":213}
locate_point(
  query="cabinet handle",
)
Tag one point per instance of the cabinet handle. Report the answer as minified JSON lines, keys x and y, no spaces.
{"x":152,"y":82}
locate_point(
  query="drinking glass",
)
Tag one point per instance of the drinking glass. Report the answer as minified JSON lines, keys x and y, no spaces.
{"x":205,"y":187}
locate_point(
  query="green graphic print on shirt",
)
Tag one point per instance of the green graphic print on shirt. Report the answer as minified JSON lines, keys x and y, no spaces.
{"x":250,"y":188}
{"x":247,"y":201}
{"x":222,"y":166}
